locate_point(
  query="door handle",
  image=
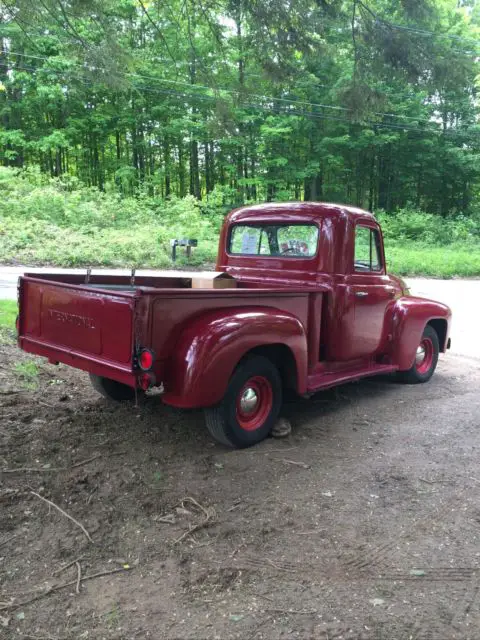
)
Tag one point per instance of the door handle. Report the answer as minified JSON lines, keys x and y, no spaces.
{"x":361,"y":294}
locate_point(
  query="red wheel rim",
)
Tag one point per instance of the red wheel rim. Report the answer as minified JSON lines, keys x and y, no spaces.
{"x":424,"y":356}
{"x":254,"y":403}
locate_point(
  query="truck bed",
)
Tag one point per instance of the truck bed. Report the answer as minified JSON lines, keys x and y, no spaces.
{"x":99,"y":325}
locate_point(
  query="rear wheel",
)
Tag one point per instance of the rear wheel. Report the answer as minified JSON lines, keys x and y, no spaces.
{"x":250,"y":407}
{"x":112,"y":389}
{"x":426,"y":359}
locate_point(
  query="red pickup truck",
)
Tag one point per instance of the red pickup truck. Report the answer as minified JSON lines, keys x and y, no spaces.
{"x":313,"y":307}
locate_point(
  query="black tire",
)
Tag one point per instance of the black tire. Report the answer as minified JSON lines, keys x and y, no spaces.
{"x":224,"y":422}
{"x":112,"y":389}
{"x":422,"y":371}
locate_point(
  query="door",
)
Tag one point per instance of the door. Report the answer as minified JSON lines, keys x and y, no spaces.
{"x":368,"y":292}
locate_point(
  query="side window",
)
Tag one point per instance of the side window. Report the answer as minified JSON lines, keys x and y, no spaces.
{"x":367,"y":249}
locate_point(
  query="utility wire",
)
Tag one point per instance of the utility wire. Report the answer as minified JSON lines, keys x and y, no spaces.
{"x":218,"y":90}
{"x":285,"y":101}
{"x":423,"y":32}
{"x":287,"y":111}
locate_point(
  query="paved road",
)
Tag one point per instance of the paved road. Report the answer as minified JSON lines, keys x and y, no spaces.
{"x":463,"y":296}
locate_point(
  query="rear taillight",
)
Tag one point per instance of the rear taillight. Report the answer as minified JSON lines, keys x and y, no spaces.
{"x":146,"y":380}
{"x":145,"y":359}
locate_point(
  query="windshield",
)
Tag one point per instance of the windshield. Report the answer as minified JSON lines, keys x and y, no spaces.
{"x":294,"y":241}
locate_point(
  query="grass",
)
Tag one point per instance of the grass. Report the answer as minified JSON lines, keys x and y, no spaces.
{"x":417,"y":259}
{"x":8,"y":314}
{"x":139,"y":247}
{"x":27,"y":373}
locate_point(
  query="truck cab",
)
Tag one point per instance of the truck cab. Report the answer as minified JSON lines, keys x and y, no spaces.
{"x":312,"y":307}
{"x":339,"y":250}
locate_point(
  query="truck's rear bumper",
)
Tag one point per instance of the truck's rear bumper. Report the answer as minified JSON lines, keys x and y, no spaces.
{"x":99,"y":367}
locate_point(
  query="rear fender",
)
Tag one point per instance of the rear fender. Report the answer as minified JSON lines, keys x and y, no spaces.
{"x":410,"y":316}
{"x":211,"y":346}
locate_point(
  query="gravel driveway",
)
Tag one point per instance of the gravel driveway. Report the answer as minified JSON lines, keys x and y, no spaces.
{"x":364,"y":524}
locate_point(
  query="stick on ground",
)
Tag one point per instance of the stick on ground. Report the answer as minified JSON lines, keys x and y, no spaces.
{"x":79,"y":577}
{"x":52,"y":504}
{"x":209,"y":514}
{"x":66,"y":566}
{"x":7,"y":540}
{"x":295,"y":462}
{"x":33,"y":470}
{"x":16,"y":605}
{"x":52,"y":469}
{"x":82,"y":462}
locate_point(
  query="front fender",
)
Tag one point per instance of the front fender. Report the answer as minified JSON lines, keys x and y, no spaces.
{"x":410,"y":316}
{"x":211,"y":346}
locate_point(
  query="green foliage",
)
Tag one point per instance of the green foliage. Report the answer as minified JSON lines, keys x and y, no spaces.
{"x":46,"y":221}
{"x":407,"y":225}
{"x":51,"y":224}
{"x":242,"y":101}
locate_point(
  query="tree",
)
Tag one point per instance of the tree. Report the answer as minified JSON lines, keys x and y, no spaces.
{"x":312,"y":99}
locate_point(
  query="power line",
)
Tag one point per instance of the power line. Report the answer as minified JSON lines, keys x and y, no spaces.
{"x":290,"y":112}
{"x":423,"y":32}
{"x":257,"y":96}
{"x":194,"y":87}
{"x":86,"y":66}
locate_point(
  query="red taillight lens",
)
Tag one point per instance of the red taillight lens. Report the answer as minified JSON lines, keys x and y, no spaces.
{"x":145,"y":360}
{"x":145,"y":381}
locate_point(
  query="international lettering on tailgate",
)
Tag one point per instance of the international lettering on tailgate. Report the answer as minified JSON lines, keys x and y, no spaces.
{"x":70,"y":318}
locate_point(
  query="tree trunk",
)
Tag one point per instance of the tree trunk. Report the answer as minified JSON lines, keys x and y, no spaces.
{"x":166,"y":165}
{"x":371,"y":191}
{"x":209,"y":179}
{"x":118,"y":145}
{"x":194,"y":171}
{"x":181,"y":171}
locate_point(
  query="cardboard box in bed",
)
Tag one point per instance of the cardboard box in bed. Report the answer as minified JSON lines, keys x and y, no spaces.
{"x":213,"y":280}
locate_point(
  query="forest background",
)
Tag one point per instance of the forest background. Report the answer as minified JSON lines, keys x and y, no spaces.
{"x":126,"y":123}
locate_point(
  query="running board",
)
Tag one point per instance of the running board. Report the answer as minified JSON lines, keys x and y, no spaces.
{"x":323,"y":380}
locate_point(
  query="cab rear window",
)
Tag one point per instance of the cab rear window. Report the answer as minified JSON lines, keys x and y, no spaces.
{"x":288,"y":241}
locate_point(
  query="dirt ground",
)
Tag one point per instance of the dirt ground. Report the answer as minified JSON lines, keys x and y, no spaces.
{"x":363,"y":524}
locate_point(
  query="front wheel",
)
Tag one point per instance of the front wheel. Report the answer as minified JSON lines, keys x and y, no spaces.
{"x":426,"y":359}
{"x":250,"y":407}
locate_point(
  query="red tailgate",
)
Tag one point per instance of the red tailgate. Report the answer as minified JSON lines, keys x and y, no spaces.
{"x":79,"y":326}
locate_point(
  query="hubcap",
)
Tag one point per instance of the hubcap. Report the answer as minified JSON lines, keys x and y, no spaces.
{"x":254,"y":403}
{"x":420,"y":357}
{"x":424,"y":356}
{"x":248,"y":401}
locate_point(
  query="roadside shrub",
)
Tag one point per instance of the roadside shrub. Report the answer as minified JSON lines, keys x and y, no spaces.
{"x":406,"y":225}
{"x":61,"y":222}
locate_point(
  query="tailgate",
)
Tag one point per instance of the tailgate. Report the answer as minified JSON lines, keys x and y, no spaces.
{"x":77,"y":325}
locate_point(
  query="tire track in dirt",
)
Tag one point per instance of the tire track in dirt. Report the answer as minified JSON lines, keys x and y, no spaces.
{"x":469,"y":602}
{"x":370,"y":557}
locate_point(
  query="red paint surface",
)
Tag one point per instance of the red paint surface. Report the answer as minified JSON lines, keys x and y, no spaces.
{"x":310,"y":306}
